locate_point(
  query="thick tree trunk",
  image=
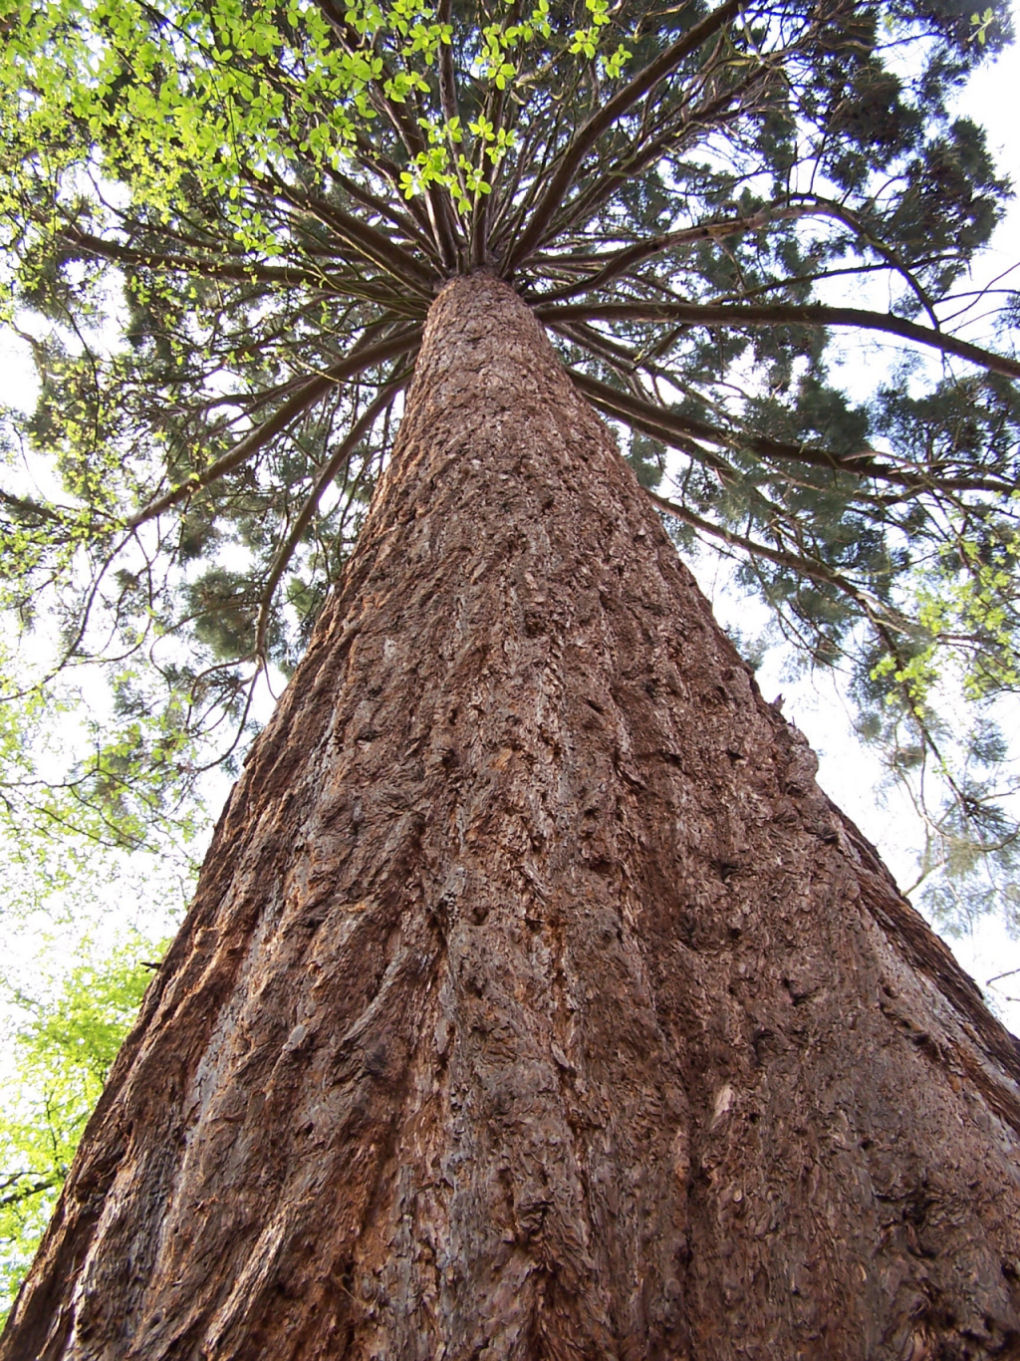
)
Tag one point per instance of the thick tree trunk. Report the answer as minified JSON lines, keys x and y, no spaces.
{"x":535,"y":1003}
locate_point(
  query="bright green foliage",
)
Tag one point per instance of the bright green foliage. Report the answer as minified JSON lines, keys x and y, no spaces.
{"x":224,"y":223}
{"x":59,"y":1043}
{"x":982,"y":23}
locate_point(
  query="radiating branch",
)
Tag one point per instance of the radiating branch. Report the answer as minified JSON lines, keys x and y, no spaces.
{"x":242,"y":270}
{"x":437,"y":202}
{"x":573,"y":156}
{"x":685,"y":431}
{"x":404,"y":223}
{"x":715,"y":115}
{"x":691,"y":433}
{"x":780,"y":314}
{"x":362,"y":238}
{"x":306,"y":396}
{"x":447,"y":76}
{"x":612,"y":264}
{"x":872,"y":607}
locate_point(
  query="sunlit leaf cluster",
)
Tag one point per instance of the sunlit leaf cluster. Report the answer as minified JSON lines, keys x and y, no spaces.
{"x":60,"y":1042}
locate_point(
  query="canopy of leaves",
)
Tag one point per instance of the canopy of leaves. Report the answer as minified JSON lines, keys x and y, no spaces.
{"x":224,"y":222}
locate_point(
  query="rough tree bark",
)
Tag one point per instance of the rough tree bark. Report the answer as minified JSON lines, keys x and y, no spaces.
{"x":535,"y":1003}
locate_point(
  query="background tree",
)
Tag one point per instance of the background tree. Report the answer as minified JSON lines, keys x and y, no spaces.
{"x":60,"y":1042}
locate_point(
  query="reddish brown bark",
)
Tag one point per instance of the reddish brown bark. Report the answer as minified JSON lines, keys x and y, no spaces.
{"x":535,"y":1003}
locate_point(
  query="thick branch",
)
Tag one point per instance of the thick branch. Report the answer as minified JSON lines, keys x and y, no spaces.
{"x":672,"y":427}
{"x":372,"y":160}
{"x":840,"y":213}
{"x":530,"y":167}
{"x":704,"y":314}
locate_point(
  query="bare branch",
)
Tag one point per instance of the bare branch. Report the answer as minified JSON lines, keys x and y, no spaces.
{"x":310,"y":391}
{"x":329,"y":470}
{"x":780,"y":314}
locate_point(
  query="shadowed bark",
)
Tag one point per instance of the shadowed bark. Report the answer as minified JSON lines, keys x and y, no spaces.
{"x":535,"y":1002}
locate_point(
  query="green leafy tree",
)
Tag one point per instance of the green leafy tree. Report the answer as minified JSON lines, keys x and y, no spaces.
{"x":223,"y":226}
{"x":61,"y":1038}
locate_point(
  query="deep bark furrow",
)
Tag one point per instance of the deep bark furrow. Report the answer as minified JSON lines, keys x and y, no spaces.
{"x":535,"y":1002}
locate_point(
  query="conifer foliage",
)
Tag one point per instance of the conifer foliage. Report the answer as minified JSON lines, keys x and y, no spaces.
{"x":224,"y":222}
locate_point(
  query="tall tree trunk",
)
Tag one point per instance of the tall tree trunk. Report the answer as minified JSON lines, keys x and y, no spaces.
{"x":535,"y":1003}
